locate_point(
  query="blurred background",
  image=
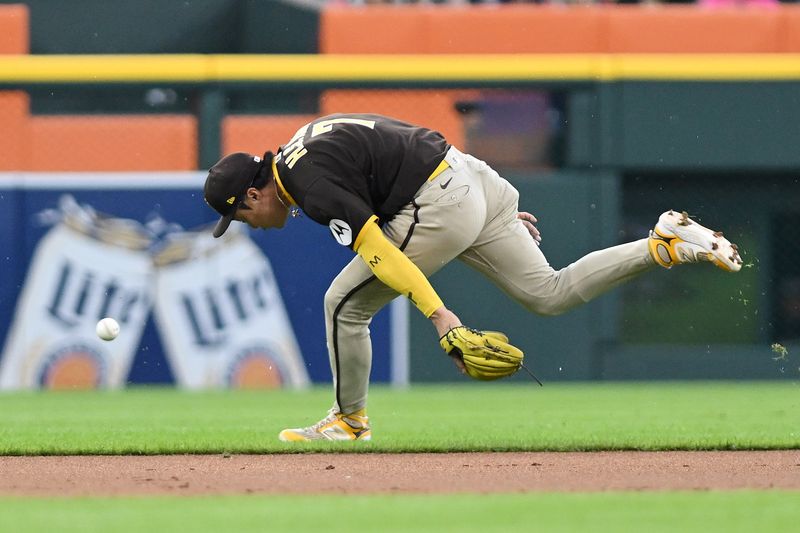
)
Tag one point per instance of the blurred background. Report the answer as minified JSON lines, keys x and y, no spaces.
{"x":101,"y":172}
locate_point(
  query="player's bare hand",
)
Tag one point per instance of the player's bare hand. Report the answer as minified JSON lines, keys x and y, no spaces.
{"x":528,"y":220}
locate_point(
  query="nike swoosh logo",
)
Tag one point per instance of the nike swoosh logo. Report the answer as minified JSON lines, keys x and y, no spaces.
{"x":446,"y":183}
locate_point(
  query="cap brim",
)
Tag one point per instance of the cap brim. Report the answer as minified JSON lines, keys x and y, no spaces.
{"x":222,"y":225}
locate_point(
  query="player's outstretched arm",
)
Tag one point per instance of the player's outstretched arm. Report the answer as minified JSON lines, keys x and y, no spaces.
{"x":483,"y":355}
{"x":393,"y":268}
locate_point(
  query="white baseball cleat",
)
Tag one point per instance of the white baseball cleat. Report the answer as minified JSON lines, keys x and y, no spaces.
{"x":335,"y":426}
{"x":678,"y":239}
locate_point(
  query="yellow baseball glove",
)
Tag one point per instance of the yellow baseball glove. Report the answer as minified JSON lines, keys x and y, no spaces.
{"x":486,"y":355}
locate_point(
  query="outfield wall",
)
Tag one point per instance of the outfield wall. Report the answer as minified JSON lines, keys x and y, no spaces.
{"x":676,"y":106}
{"x":532,"y":28}
{"x":692,"y":323}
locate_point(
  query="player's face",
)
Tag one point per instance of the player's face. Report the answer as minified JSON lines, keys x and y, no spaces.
{"x":262,"y":209}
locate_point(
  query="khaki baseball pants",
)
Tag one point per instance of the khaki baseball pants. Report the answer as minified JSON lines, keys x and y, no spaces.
{"x":467,"y":212}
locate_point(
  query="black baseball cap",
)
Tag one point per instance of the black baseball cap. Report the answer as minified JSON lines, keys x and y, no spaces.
{"x":227,"y":182}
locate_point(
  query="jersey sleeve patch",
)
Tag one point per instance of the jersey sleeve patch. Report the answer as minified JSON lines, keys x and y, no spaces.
{"x":344,"y":212}
{"x":341,"y":231}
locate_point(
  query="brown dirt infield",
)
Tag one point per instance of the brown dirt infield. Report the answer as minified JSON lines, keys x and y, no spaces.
{"x":397,"y":473}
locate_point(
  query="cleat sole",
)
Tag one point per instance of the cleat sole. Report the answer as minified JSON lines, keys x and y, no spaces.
{"x":723,"y":253}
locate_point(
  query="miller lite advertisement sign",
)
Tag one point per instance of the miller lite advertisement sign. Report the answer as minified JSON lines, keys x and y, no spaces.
{"x":221,"y":316}
{"x":194,"y":311}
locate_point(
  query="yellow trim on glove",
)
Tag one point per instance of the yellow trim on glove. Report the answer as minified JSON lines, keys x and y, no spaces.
{"x":392,"y":267}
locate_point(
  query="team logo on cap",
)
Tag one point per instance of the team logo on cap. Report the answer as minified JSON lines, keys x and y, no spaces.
{"x":341,"y":231}
{"x":230,"y":200}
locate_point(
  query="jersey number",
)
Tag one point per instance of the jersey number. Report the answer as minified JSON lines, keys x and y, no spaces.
{"x":327,"y":125}
{"x":295,"y":149}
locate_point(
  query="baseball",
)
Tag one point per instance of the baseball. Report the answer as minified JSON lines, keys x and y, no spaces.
{"x":107,"y":329}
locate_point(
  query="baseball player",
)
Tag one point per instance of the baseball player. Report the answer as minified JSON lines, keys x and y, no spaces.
{"x":407,"y":202}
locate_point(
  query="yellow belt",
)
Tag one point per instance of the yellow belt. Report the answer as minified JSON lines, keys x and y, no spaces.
{"x":441,"y":168}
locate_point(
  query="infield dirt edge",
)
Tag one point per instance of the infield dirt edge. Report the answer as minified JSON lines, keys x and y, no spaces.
{"x":422,"y":473}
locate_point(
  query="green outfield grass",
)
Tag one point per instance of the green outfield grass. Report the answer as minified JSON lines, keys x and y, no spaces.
{"x":709,"y":512}
{"x":468,"y":417}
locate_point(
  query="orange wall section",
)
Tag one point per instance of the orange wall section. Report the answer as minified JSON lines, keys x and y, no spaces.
{"x":377,"y":30}
{"x":112,"y":143}
{"x":460,"y":29}
{"x":527,"y":28}
{"x":14,"y":31}
{"x":511,"y":29}
{"x":14,"y":134}
{"x":14,"y":105}
{"x":676,"y":29}
{"x":790,"y":31}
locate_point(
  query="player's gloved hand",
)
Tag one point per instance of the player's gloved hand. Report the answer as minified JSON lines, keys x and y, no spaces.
{"x":484,"y":355}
